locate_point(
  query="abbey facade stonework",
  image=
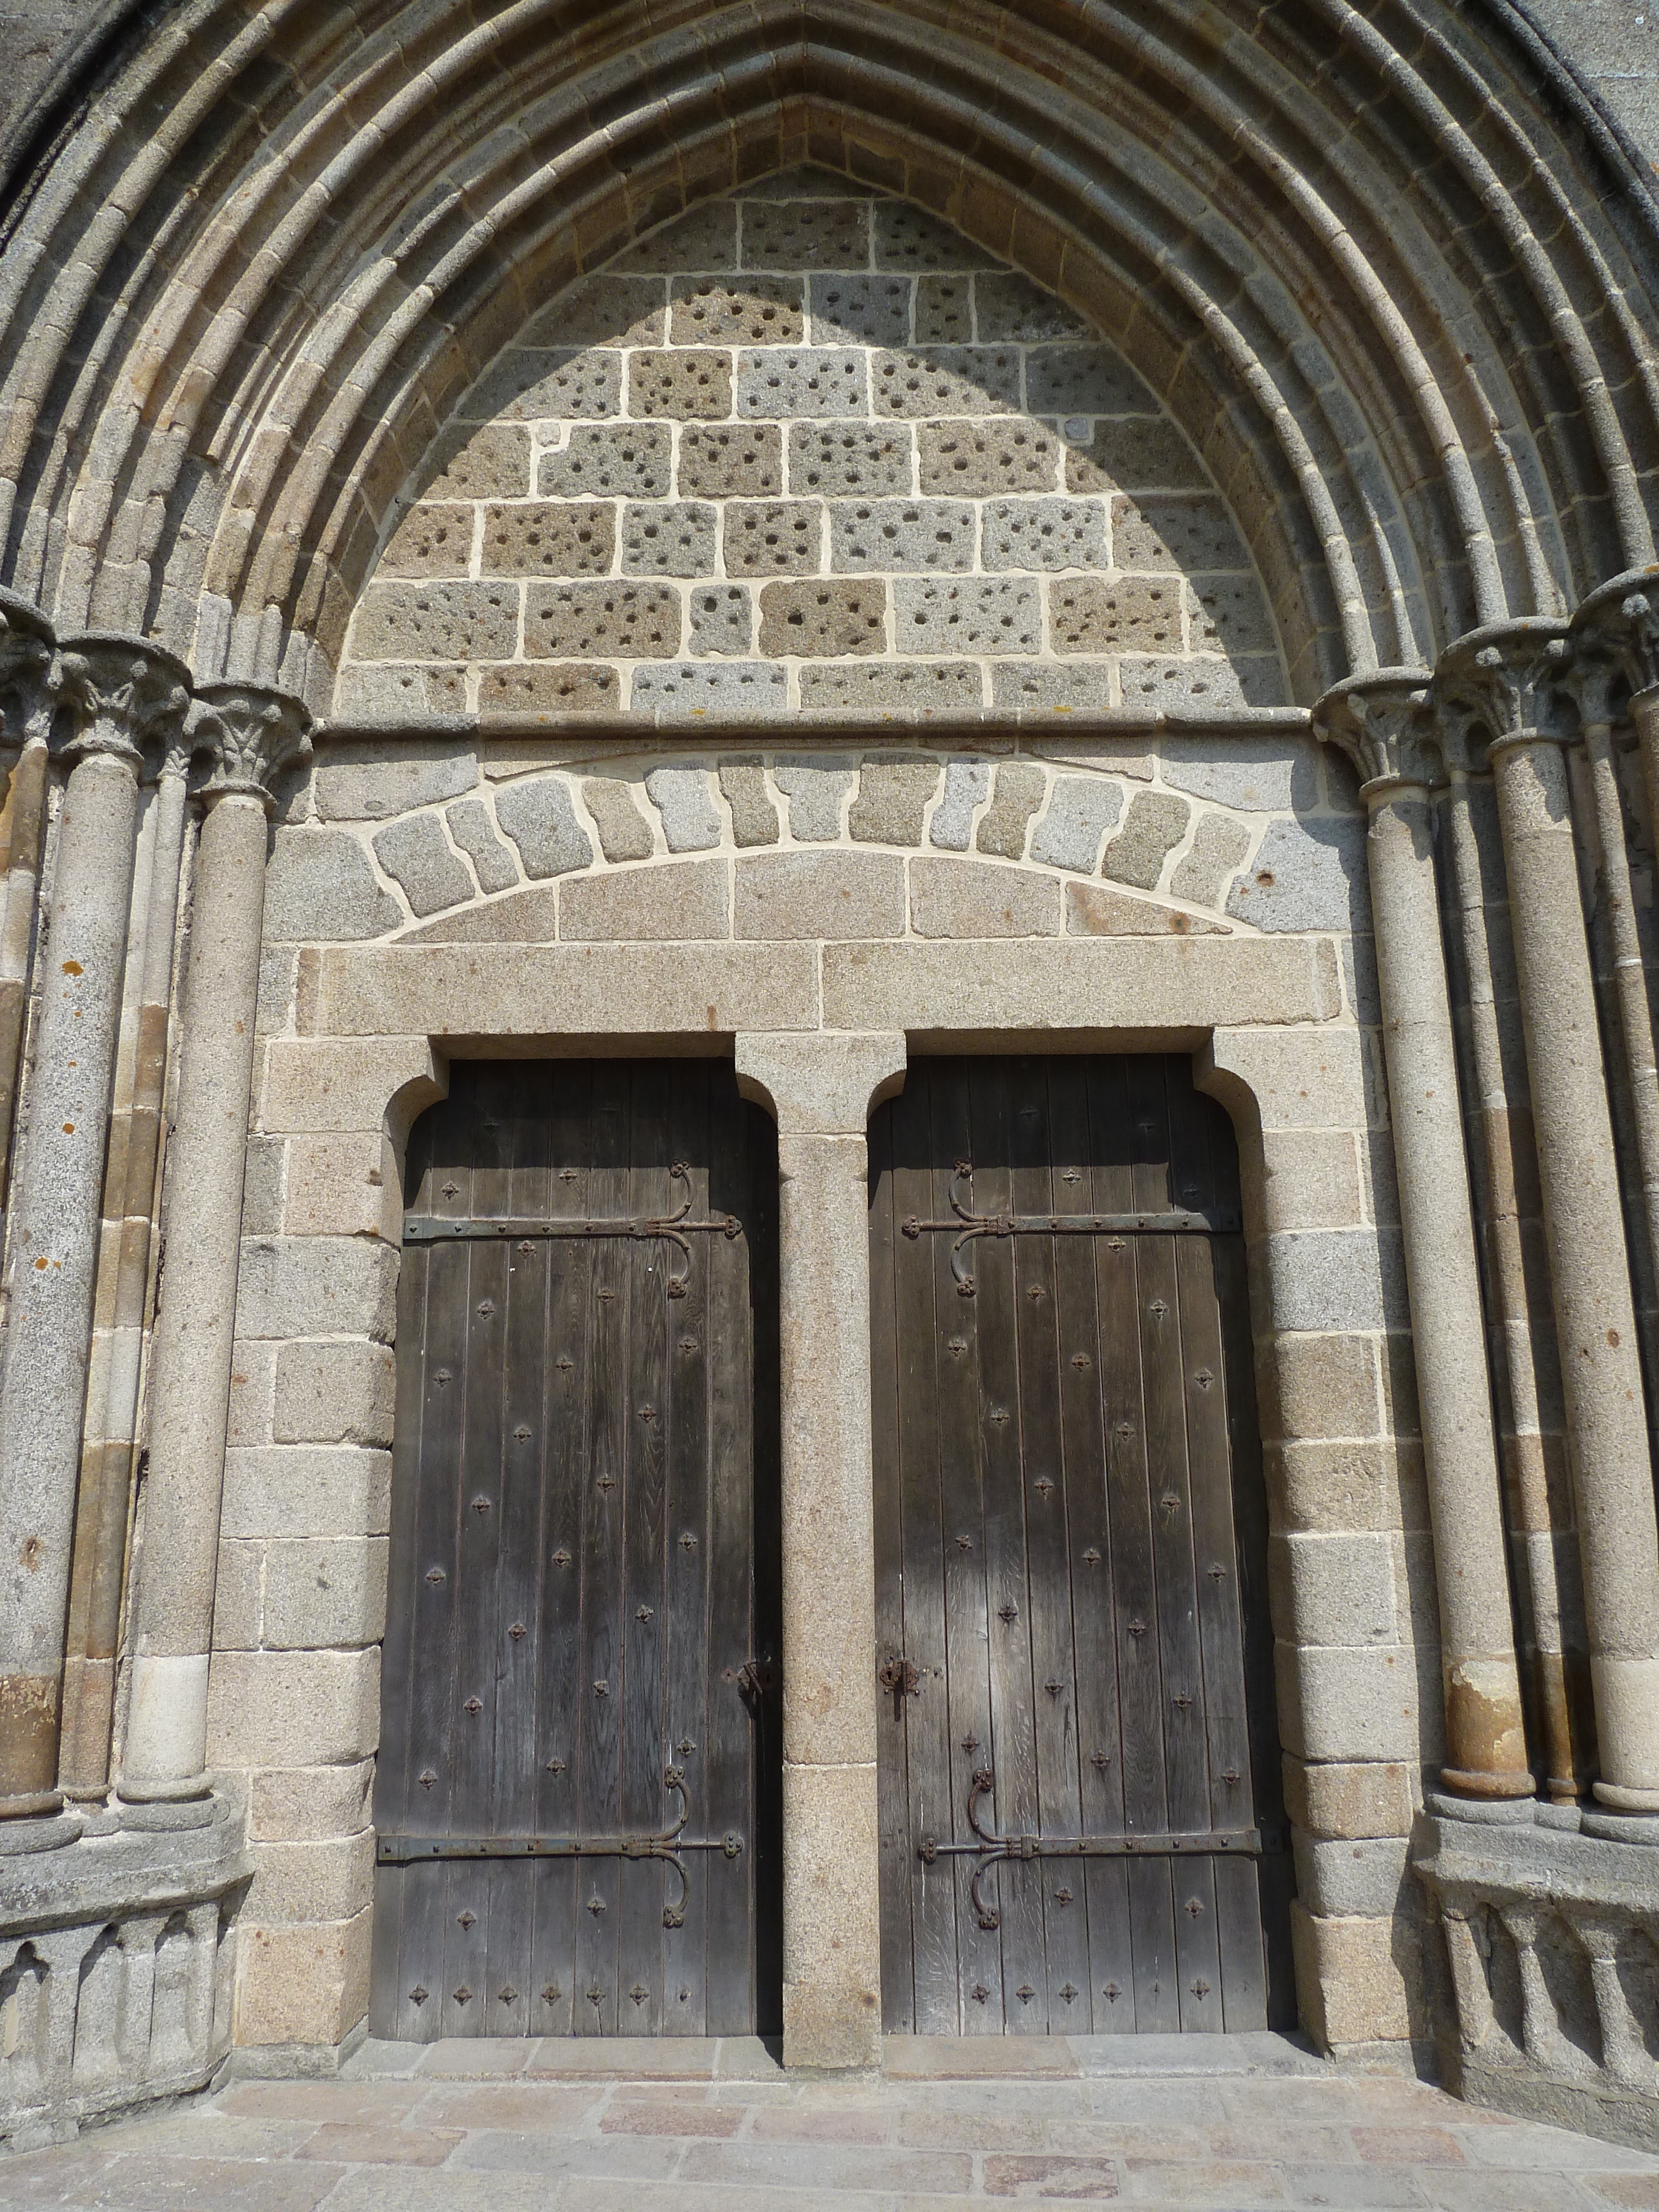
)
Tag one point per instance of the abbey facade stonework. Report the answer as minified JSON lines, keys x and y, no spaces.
{"x":826,"y":1066}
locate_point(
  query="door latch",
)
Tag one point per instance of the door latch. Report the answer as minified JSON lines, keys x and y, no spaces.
{"x":754,"y":1678}
{"x":900,"y":1676}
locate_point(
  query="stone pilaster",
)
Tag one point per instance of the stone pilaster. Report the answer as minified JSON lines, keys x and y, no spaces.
{"x":254,"y":733}
{"x":115,"y":696}
{"x":821,"y":1089}
{"x":1507,"y":677}
{"x":1381,"y":723}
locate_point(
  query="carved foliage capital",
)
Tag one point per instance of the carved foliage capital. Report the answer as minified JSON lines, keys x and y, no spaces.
{"x":121,"y":696}
{"x":252,"y":731}
{"x":1508,"y":679}
{"x":1383,"y":724}
{"x":28,"y":649}
{"x":1623,"y":618}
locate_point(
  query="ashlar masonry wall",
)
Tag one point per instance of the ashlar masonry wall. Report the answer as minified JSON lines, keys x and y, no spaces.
{"x":809,"y":450}
{"x":479,"y":897}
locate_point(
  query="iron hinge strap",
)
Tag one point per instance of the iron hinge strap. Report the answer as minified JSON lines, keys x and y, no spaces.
{"x":393,"y":1847}
{"x":531,"y":1229}
{"x":398,"y":1847}
{"x":966,"y":1225}
{"x":989,"y":1849}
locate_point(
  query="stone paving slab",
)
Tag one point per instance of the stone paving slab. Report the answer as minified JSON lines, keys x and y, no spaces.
{"x":1235,"y":2124}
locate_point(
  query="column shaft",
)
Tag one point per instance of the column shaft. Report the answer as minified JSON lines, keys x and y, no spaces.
{"x":1630,"y":976}
{"x":1589,"y":1272}
{"x":1522,"y":1335}
{"x":130,"y":1192}
{"x":1485,"y":1738}
{"x":26,"y":809}
{"x":191,"y":1363}
{"x":56,"y":1214}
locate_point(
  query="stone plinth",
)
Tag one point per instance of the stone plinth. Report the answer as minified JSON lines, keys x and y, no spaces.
{"x":117,"y":1957}
{"x":1551,"y":1947}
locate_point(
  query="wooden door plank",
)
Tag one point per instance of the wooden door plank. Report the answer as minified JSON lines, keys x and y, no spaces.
{"x":1111,"y":1966}
{"x":1017,"y":1886}
{"x":1186,"y":1765}
{"x":563,"y":1376}
{"x":760,"y":1211}
{"x":1042,"y":1473}
{"x":644,"y":1803}
{"x":440,"y":1595}
{"x":685,"y":1587}
{"x":598,"y":1685}
{"x":895,"y":1848}
{"x":480,"y":1630}
{"x":967,"y":1614}
{"x":922,"y":1720}
{"x":731,"y":1727}
{"x":1237,"y":1907}
{"x":391,"y":2013}
{"x":1139,"y":1669}
{"x":509,"y":2002}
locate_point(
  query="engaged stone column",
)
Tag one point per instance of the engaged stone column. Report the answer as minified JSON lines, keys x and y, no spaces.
{"x":821,"y":1089}
{"x":1624,"y":613}
{"x":256,"y":732}
{"x":1591,"y":678}
{"x":118,"y":694}
{"x":1378,"y":722}
{"x":26,"y":649}
{"x":1506,"y":675}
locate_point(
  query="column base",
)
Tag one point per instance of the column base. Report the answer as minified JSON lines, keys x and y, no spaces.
{"x":1460,"y":1782}
{"x":22,"y":1838}
{"x":1619,"y":1799}
{"x":31,"y":1805}
{"x":143,"y":1814}
{"x":830,"y":2030}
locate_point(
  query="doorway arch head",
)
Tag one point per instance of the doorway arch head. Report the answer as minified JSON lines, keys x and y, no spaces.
{"x":247,"y":289}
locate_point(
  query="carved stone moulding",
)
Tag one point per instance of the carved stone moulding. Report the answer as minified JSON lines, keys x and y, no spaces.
{"x":1551,"y":1953}
{"x":116,"y":1962}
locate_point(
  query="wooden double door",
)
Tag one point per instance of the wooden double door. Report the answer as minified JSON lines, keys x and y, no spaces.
{"x":1080,"y":1819}
{"x":577,"y":1803}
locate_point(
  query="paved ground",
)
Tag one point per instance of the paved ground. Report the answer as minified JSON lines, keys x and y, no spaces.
{"x":506,"y":2127}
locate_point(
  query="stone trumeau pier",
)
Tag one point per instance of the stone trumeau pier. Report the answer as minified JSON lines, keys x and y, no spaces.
{"x":828,"y":1105}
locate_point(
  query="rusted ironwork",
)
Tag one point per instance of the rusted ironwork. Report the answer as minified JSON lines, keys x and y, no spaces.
{"x":398,"y":1848}
{"x":900,"y":1676}
{"x":1175,"y":1221}
{"x":669,"y":1228}
{"x":991,"y":1849}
